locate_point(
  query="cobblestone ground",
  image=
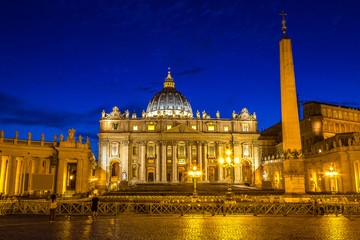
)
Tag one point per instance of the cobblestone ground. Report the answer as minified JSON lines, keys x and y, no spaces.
{"x":176,"y":227}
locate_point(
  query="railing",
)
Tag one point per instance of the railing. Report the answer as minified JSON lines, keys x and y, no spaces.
{"x":215,"y":208}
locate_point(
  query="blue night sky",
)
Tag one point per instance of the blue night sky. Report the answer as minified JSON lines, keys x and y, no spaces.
{"x":63,"y":62}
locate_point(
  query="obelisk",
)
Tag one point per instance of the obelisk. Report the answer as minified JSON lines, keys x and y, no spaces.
{"x":292,"y":154}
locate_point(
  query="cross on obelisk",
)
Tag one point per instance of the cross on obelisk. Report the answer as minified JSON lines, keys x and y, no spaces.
{"x":283,"y":21}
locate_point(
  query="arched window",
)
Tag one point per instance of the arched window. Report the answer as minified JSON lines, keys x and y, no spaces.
{"x":325,"y":126}
{"x":182,"y":150}
{"x":337,"y":128}
{"x":151,"y":150}
{"x":342,"y":128}
{"x":168,"y":152}
{"x":246,"y":150}
{"x":211,"y":150}
{"x":335,"y":114}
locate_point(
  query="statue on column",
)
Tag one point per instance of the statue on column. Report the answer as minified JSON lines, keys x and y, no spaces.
{"x":103,"y":114}
{"x":204,"y":114}
{"x":16,"y":135}
{"x":234,"y":114}
{"x":87,"y":141}
{"x":61,"y":137}
{"x":143,"y":114}
{"x":127,"y":114}
{"x":55,"y":138}
{"x":29,"y":136}
{"x":182,"y":113}
{"x":197,"y":114}
{"x":217,"y":114}
{"x":80,"y":139}
{"x":42,"y":137}
{"x":2,"y":133}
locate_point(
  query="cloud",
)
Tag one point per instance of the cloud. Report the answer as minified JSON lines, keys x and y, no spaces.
{"x":192,"y":71}
{"x":15,"y":111}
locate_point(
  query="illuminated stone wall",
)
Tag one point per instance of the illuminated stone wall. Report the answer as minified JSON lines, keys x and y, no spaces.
{"x":67,"y":165}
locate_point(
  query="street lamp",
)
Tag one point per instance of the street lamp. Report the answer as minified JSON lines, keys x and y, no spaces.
{"x":194,"y":174}
{"x":332,"y":174}
{"x":228,"y":164}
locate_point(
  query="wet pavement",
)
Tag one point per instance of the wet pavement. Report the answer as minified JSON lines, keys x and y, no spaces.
{"x":176,"y":227}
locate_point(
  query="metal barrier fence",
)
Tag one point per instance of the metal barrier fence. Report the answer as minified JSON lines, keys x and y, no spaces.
{"x":116,"y":208}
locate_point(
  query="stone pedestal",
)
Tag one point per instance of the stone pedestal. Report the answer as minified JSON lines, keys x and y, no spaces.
{"x":294,"y":176}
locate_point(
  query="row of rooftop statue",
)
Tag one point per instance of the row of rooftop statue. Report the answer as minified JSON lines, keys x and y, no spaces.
{"x":70,"y":138}
{"x":244,"y":115}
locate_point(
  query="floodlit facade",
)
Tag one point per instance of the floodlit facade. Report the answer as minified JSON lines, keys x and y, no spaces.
{"x":29,"y":167}
{"x":166,"y":141}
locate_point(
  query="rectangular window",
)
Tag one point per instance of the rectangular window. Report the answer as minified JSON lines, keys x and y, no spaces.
{"x":135,"y":128}
{"x":226,"y":128}
{"x":193,"y":127}
{"x":151,"y":127}
{"x":168,"y":127}
{"x":211,"y":128}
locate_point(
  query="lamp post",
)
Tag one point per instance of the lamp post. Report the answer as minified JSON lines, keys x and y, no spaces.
{"x":332,"y":174}
{"x":228,"y":164}
{"x":194,"y":174}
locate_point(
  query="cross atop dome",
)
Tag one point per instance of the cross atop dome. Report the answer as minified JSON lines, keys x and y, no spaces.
{"x":169,"y":81}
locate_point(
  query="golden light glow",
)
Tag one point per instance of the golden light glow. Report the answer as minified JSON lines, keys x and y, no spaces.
{"x":151,"y":127}
{"x":211,"y":128}
{"x":228,"y":160}
{"x":228,"y":152}
{"x":135,"y":127}
{"x":236,"y":160}
{"x":331,"y":173}
{"x":221,"y":160}
{"x":193,"y":127}
{"x":168,"y":127}
{"x":71,"y":177}
{"x":93,"y":179}
{"x":226,"y":128}
{"x":195,"y":173}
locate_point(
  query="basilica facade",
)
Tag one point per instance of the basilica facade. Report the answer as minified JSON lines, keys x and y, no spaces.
{"x":168,"y":139}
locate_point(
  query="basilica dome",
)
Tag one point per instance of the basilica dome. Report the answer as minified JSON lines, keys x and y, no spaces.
{"x":169,"y":102}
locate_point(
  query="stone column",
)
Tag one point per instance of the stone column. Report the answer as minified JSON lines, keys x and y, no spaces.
{"x":189,"y":162}
{"x":174,"y":164}
{"x":2,"y":174}
{"x":220,"y":168}
{"x":104,"y":149}
{"x":163,"y":162}
{"x":124,"y":159}
{"x":199,"y":155}
{"x":8,"y":184}
{"x":142,"y":162}
{"x":237,"y":177}
{"x":17,"y":176}
{"x":61,"y":173}
{"x":205,"y":162}
{"x":79,"y":175}
{"x":157,"y":163}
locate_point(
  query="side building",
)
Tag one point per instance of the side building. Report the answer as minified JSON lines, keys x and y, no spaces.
{"x":164,"y":143}
{"x":29,"y":167}
{"x":331,"y":149}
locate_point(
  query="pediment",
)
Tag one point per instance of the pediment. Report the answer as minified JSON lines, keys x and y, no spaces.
{"x":181,"y":128}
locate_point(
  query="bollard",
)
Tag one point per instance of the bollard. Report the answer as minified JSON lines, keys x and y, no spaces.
{"x":284,"y":210}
